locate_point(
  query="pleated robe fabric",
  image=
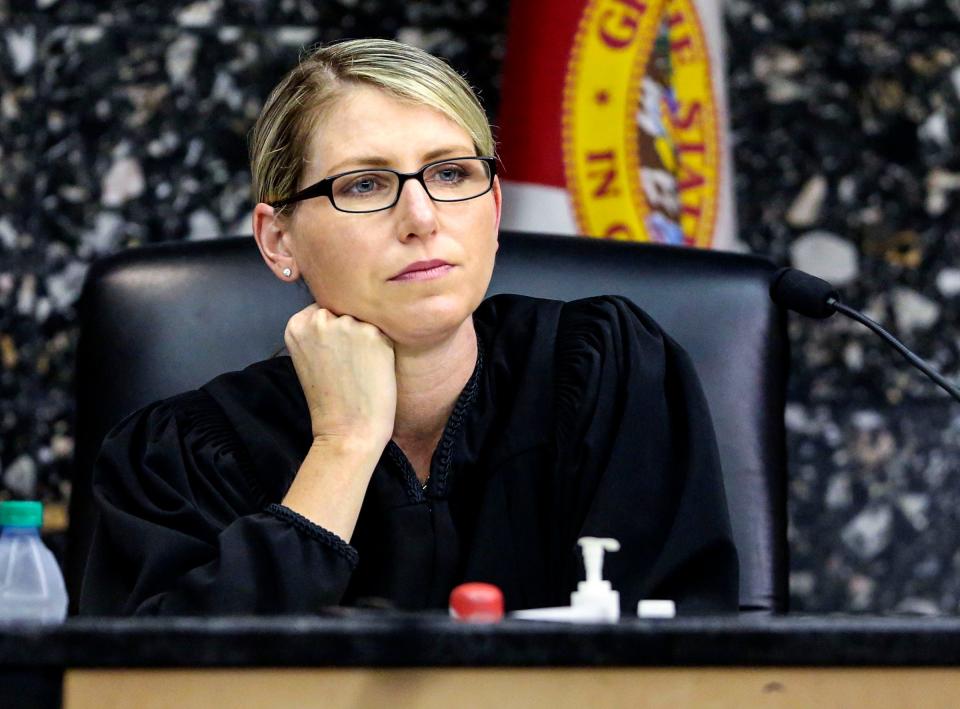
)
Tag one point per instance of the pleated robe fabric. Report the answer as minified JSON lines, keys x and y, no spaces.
{"x":580,"y":418}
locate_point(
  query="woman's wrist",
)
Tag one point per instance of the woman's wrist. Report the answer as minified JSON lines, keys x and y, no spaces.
{"x":332,"y":481}
{"x":355,"y":445}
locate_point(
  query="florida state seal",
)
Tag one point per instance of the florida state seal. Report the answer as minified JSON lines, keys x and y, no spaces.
{"x":640,"y":131}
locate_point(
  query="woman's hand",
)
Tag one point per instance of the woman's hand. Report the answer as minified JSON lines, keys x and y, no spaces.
{"x":346,"y":369}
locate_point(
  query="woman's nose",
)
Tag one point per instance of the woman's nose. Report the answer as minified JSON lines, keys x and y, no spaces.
{"x":417,"y":212}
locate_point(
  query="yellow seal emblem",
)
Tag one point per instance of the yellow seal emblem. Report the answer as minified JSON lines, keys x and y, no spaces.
{"x":641,"y":147}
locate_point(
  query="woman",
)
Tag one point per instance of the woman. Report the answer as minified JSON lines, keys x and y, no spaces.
{"x":417,"y":436}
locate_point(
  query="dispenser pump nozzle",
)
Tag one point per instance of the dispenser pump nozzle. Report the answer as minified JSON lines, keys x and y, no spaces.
{"x":592,"y":549}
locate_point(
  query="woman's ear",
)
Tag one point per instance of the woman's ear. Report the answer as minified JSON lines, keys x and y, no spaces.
{"x":273,"y":239}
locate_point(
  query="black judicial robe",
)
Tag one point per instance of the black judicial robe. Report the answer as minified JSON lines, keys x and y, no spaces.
{"x":579,"y":419}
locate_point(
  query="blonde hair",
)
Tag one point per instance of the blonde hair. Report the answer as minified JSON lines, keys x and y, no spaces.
{"x":303,"y":97}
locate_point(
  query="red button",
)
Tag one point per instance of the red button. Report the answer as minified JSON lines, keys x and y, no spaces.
{"x":476,"y":603}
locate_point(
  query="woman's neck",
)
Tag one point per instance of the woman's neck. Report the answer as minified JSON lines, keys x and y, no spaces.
{"x":429,"y":382}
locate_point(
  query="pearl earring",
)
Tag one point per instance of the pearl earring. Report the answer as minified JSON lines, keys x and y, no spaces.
{"x":287,"y":272}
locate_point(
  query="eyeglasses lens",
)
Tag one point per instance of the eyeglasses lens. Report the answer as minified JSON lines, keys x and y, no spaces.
{"x":448,"y":181}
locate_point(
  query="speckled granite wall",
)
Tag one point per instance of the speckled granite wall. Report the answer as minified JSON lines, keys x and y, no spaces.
{"x":124,"y":123}
{"x":846,"y":121}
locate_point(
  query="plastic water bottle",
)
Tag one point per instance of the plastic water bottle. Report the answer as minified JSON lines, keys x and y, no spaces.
{"x":31,"y":585}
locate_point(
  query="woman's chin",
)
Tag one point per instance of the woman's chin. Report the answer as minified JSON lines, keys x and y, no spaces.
{"x":429,"y":322}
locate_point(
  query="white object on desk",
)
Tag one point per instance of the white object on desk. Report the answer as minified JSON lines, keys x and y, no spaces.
{"x":594,"y":601}
{"x":595,"y":592}
{"x":656,"y":608}
{"x":565,"y":614}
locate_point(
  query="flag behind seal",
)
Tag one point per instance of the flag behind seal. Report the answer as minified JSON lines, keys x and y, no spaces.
{"x":613,"y":121}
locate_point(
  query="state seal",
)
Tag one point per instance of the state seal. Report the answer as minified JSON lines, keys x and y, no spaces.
{"x":641,"y":147}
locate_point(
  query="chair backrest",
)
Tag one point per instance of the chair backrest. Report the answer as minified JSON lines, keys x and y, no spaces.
{"x":163,"y":319}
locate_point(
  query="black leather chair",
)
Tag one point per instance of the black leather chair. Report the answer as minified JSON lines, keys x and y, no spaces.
{"x":167,"y":318}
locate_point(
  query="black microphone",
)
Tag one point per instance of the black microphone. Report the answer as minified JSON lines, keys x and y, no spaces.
{"x":803,"y":293}
{"x":814,"y":297}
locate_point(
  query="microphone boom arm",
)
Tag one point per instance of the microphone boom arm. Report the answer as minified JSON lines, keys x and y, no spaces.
{"x":940,"y":380}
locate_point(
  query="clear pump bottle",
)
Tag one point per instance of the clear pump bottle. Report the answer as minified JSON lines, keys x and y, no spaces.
{"x":31,"y":584}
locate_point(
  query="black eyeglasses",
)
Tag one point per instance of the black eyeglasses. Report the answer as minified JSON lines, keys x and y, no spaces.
{"x":372,"y":190}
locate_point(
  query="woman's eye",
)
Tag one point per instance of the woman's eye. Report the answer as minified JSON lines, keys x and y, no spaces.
{"x":451,"y":173}
{"x":363,"y":185}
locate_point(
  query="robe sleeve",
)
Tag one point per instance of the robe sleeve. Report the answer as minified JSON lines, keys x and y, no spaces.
{"x":638,"y":461}
{"x":183,"y":528}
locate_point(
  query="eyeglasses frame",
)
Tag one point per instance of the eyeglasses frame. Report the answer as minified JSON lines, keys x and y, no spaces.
{"x":324,"y":188}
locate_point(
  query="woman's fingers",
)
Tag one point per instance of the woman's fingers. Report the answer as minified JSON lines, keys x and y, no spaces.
{"x":346,"y":369}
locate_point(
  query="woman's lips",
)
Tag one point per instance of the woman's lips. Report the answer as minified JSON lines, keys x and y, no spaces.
{"x":423,"y":271}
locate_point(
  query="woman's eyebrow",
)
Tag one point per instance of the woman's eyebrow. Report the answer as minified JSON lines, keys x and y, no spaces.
{"x":380,"y":161}
{"x":458,"y":150}
{"x":372,"y":161}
